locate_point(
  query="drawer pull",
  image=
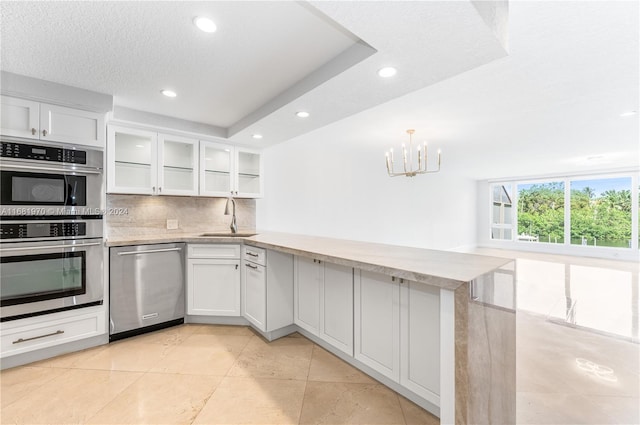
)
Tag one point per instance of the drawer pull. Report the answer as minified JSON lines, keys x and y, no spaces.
{"x":251,"y":266}
{"x":18,"y":341}
{"x":252,"y":254}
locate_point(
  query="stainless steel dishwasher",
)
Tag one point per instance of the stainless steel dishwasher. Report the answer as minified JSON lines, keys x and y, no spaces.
{"x":146,"y":288}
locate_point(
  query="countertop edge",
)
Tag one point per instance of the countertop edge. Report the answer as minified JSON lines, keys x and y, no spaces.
{"x":444,"y":282}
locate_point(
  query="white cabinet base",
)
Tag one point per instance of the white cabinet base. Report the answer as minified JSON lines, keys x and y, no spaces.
{"x":336,"y":307}
{"x":377,"y":323}
{"x":213,"y":287}
{"x":26,"y":340}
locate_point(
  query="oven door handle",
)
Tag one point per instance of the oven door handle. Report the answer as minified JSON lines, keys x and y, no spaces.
{"x":149,"y":251}
{"x":30,"y":248}
{"x":58,"y":170}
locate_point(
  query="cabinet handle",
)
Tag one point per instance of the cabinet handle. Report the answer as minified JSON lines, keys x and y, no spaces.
{"x":149,"y":251}
{"x":251,"y":254}
{"x":33,"y":131}
{"x":236,"y":267}
{"x":153,"y":189}
{"x":159,"y":189}
{"x":251,"y":266}
{"x":44,"y":133}
{"x":18,"y":341}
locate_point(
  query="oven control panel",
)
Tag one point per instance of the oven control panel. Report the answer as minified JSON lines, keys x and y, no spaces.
{"x":42,"y":153}
{"x":42,"y":230}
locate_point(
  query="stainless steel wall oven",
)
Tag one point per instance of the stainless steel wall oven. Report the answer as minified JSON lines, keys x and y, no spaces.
{"x":50,"y":179}
{"x":51,"y":246}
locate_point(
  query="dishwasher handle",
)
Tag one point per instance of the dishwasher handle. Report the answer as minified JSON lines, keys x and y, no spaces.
{"x":150,"y":251}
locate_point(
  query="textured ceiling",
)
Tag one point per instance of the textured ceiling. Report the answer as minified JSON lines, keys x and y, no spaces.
{"x":267,"y":60}
{"x":132,"y":50}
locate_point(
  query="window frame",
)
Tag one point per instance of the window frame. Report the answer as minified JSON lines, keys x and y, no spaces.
{"x":565,"y":247}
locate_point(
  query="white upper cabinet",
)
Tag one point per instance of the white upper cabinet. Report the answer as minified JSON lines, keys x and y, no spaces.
{"x":144,"y":162}
{"x":178,"y":165}
{"x":217,"y":169}
{"x":41,"y":121}
{"x":248,"y":173}
{"x":226,"y":170}
{"x":20,"y":118}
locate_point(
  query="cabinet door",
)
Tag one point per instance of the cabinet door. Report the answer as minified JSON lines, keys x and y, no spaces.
{"x":213,"y":287}
{"x":69,"y":125}
{"x":131,"y":161}
{"x":254,"y":295}
{"x":216,"y":169}
{"x":420,"y":339}
{"x":336,"y":307}
{"x":309,"y":276}
{"x":20,"y":118}
{"x":177,"y":165}
{"x":248,"y":182}
{"x":377,"y":323}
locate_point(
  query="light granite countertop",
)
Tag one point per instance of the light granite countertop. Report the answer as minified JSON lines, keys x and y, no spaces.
{"x":445,"y":269}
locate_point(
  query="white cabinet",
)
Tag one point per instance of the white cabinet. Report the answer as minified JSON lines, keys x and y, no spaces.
{"x":397,"y":331}
{"x":148,"y":163}
{"x":308,"y":280}
{"x":420,"y":340}
{"x":254,"y":294}
{"x":20,"y":118}
{"x":323,"y":301}
{"x":42,"y":121}
{"x":22,"y":336}
{"x":213,"y":280}
{"x":227,"y":170}
{"x":336,"y":307}
{"x":267,"y":288}
{"x":377,"y":322}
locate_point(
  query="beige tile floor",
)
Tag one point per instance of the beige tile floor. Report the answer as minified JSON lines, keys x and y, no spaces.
{"x":201,"y":374}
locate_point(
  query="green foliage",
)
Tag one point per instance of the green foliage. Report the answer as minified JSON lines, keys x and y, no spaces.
{"x":541,"y":211}
{"x":605,"y":218}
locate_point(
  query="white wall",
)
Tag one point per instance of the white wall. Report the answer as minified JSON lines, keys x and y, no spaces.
{"x":337,"y":186}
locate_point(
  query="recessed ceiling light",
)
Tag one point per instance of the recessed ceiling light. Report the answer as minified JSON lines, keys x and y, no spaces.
{"x":168,"y":93}
{"x":302,"y":114}
{"x":205,"y":24}
{"x":387,"y":71}
{"x":628,"y":113}
{"x":257,"y":136}
{"x":139,"y":146}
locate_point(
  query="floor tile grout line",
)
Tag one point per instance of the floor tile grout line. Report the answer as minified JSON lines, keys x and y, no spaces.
{"x":142,"y":374}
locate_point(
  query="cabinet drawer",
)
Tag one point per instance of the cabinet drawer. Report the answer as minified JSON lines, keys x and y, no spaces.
{"x":255,"y":255}
{"x":41,"y":335}
{"x":214,"y":251}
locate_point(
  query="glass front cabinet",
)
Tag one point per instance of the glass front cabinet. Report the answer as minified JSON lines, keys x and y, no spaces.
{"x":226,"y":170}
{"x":148,"y":163}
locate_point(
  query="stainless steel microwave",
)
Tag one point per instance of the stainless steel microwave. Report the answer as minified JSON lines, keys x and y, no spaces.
{"x":51,"y":179}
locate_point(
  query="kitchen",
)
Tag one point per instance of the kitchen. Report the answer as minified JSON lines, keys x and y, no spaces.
{"x":340,"y":188}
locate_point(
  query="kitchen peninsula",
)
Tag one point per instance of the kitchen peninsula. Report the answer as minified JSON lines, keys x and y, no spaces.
{"x":476,"y":332}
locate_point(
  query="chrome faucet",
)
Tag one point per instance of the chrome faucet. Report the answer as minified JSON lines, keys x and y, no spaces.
{"x":233,"y":226}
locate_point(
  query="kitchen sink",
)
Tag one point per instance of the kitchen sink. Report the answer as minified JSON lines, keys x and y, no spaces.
{"x":226,"y":235}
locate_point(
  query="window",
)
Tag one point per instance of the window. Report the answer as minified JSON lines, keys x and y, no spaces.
{"x":601,"y":212}
{"x":590,"y":211}
{"x":502,"y":217}
{"x":541,"y":212}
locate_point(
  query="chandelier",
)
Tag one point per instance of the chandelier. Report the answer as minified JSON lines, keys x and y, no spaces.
{"x":408,"y":162}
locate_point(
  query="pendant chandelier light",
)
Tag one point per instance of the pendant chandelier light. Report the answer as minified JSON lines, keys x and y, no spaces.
{"x":407,"y":160}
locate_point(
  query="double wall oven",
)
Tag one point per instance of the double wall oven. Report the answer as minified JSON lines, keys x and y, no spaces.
{"x":51,"y":205}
